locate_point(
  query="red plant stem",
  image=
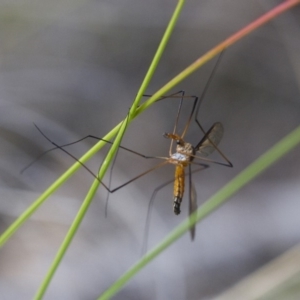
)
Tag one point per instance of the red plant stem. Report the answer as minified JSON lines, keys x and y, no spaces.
{"x":225,"y":44}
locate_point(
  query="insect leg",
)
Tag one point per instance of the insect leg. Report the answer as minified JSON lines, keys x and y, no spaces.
{"x":182,"y":96}
{"x":77,"y":141}
{"x":208,"y":136}
{"x":212,"y":74}
{"x":105,"y":186}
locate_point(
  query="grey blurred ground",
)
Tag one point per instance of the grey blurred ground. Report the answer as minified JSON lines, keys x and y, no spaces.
{"x":73,"y":68}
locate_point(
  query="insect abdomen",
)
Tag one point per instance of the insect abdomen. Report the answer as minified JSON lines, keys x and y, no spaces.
{"x":178,"y":188}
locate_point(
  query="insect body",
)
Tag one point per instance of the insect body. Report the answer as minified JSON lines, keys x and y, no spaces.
{"x":185,"y":154}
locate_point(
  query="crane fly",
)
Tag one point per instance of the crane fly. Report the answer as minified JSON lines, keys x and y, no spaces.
{"x":184,"y":155}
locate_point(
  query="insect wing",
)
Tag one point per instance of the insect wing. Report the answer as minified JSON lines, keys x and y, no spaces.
{"x":192,"y":208}
{"x":211,"y":139}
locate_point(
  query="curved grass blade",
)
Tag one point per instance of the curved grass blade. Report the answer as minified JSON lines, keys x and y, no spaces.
{"x":110,"y":156}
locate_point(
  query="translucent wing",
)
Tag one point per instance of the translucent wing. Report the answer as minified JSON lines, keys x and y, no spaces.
{"x":211,"y":139}
{"x":192,"y":208}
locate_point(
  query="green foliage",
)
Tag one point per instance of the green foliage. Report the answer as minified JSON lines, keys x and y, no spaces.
{"x":214,"y":202}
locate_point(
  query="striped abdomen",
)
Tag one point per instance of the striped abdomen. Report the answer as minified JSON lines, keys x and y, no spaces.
{"x":178,"y":188}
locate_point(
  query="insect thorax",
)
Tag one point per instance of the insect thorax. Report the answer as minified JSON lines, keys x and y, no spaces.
{"x":183,"y":155}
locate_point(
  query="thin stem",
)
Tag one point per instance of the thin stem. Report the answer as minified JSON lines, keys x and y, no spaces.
{"x":109,"y":158}
{"x":65,"y":244}
{"x":218,"y":49}
{"x":159,"y":52}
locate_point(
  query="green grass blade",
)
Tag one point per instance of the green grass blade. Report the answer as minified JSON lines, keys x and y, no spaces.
{"x":91,"y":193}
{"x":160,"y":50}
{"x":252,"y":171}
{"x":265,"y":18}
{"x":65,"y":244}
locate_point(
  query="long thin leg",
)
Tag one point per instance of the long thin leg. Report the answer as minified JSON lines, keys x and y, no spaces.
{"x":175,"y":95}
{"x":197,"y":102}
{"x":179,"y":94}
{"x":190,"y":117}
{"x":140,"y":175}
{"x":176,"y":122}
{"x":182,"y":96}
{"x":195,"y":109}
{"x":105,"y":186}
{"x":212,"y":74}
{"x":229,"y":164}
{"x":77,"y":141}
{"x":111,"y":170}
{"x":71,"y":155}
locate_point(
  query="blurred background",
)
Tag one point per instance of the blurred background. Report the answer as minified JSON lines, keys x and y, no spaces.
{"x":73,"y":68}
